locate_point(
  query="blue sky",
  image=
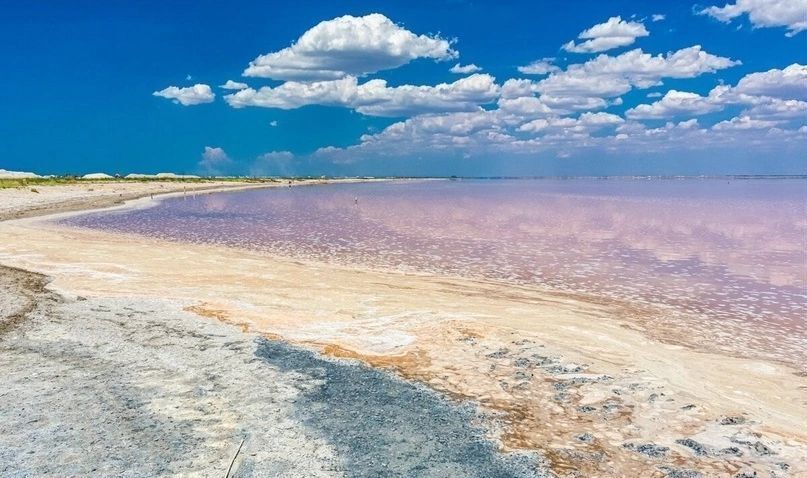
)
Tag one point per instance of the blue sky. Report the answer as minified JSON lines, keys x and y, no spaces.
{"x":643,"y":87}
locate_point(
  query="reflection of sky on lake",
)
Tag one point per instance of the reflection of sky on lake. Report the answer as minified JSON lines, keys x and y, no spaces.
{"x":733,"y":252}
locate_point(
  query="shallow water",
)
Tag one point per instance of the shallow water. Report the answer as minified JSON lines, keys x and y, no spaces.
{"x":721,"y":260}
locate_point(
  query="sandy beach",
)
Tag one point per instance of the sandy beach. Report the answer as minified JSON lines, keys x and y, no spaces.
{"x":185,"y":353}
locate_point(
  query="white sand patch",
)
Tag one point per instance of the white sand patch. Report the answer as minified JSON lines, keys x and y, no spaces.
{"x":6,"y":174}
{"x":97,"y":176}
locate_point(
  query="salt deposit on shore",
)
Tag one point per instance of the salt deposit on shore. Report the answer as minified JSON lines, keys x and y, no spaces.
{"x":5,"y":174}
{"x":98,"y":176}
{"x":136,"y":387}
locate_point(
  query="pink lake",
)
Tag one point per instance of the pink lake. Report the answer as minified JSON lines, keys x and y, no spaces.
{"x":721,"y":260}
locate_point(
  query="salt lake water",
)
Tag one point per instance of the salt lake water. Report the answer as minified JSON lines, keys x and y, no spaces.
{"x":722,"y":261}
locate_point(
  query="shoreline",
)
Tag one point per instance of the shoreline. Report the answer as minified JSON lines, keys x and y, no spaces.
{"x":414,"y":326}
{"x":640,"y":315}
{"x":112,"y":198}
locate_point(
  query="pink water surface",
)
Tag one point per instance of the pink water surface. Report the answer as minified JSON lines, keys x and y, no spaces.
{"x":723,"y":258}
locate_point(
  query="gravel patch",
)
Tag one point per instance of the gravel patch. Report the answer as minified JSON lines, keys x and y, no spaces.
{"x":383,"y":426}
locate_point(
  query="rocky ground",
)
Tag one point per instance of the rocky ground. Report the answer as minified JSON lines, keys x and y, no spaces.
{"x":136,"y":387}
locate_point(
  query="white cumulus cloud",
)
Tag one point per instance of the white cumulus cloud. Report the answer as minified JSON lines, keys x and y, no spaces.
{"x":214,"y":160}
{"x":466,"y":94}
{"x":575,"y":103}
{"x":778,"y":109}
{"x":493,"y":132}
{"x":539,"y":67}
{"x":474,"y":115}
{"x":192,"y":95}
{"x":464,"y":69}
{"x":791,"y":14}
{"x":234,"y":85}
{"x":586,"y":123}
{"x":524,"y":106}
{"x":374,"y":97}
{"x":743,"y":123}
{"x":294,"y":94}
{"x":789,"y":83}
{"x":674,"y":103}
{"x":516,"y":87}
{"x":608,"y":76}
{"x":773,"y":93}
{"x":613,"y":33}
{"x":349,"y":46}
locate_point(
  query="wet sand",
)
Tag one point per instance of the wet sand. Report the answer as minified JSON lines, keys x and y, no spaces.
{"x":558,"y":374}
